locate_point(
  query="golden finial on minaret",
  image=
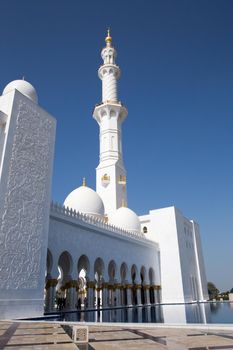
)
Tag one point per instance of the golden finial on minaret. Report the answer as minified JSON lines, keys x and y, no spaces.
{"x":84,"y":182}
{"x":108,"y":38}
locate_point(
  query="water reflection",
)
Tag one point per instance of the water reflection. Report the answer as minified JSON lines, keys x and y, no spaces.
{"x":146,"y":314}
{"x":182,"y":313}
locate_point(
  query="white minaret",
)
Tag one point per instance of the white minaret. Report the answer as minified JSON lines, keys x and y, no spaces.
{"x":109,"y":114}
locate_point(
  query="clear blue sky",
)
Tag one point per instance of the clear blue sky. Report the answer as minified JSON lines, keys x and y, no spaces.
{"x":177,"y":83}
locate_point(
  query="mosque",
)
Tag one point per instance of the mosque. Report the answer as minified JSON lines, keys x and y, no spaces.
{"x":92,"y":246}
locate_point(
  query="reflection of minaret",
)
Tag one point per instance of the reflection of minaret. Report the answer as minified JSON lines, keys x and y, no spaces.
{"x":109,"y":114}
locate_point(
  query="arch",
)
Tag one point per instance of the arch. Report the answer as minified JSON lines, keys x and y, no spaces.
{"x":134,"y":273}
{"x":99,"y":269}
{"x":83,"y":264}
{"x":151,"y":275}
{"x":112,"y":270}
{"x":145,"y":230}
{"x":123,"y":271}
{"x":65,"y":263}
{"x":112,"y":113}
{"x":103,"y":113}
{"x":143,"y":274}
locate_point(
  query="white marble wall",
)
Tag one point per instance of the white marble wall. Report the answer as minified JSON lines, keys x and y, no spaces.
{"x":25,"y":182}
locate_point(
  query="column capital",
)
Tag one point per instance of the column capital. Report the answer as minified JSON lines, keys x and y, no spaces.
{"x":137,"y":286}
{"x":155,"y":286}
{"x":51,"y":283}
{"x":71,"y":284}
{"x":90,"y":284}
{"x":146,"y":286}
{"x":104,"y":285}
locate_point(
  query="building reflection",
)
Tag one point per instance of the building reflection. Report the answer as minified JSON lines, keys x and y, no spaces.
{"x":170,"y":314}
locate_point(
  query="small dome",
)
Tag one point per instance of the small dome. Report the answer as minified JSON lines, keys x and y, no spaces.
{"x":126,"y":219}
{"x":86,"y":201}
{"x":24,"y":87}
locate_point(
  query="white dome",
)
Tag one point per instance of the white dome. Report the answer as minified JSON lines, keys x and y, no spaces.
{"x":85,"y":200}
{"x":126,"y":219}
{"x":24,"y":87}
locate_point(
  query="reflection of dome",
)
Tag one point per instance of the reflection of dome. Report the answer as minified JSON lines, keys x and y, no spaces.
{"x":24,"y":87}
{"x":85,"y":200}
{"x":125,"y":218}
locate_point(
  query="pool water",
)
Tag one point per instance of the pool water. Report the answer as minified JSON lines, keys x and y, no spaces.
{"x":219,"y":312}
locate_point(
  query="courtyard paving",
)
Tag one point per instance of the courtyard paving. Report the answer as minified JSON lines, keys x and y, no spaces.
{"x":49,"y":336}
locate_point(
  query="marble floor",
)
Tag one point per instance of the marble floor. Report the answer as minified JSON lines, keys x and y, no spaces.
{"x":49,"y":336}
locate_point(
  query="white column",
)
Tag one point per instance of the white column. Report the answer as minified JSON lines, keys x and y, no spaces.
{"x":111,"y":295}
{"x":98,"y":301}
{"x":146,"y":288}
{"x":155,"y":294}
{"x":129,"y":294}
{"x":50,"y":294}
{"x":138,"y":292}
{"x":118,"y":294}
{"x":71,"y":295}
{"x":123,"y":296}
{"x":158,"y":294}
{"x":105,"y":295}
{"x":90,"y":294}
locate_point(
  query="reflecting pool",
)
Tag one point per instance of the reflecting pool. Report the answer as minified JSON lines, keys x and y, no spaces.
{"x":174,"y":313}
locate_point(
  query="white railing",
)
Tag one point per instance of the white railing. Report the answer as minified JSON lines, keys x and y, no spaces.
{"x":60,"y":209}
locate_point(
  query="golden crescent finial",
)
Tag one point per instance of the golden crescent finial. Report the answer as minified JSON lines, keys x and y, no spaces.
{"x":108,"y":38}
{"x":84,"y":182}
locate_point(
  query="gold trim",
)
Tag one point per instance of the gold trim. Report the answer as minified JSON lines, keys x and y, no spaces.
{"x":137,"y":286}
{"x":146,"y":286}
{"x":51,"y":283}
{"x":90,"y":284}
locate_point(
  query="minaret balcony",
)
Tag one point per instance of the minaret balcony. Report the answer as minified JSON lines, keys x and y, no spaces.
{"x":110,"y":108}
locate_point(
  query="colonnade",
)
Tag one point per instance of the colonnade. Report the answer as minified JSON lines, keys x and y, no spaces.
{"x":97,"y":283}
{"x":104,"y":295}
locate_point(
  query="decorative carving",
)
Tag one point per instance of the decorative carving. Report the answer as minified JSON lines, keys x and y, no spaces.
{"x":24,"y":212}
